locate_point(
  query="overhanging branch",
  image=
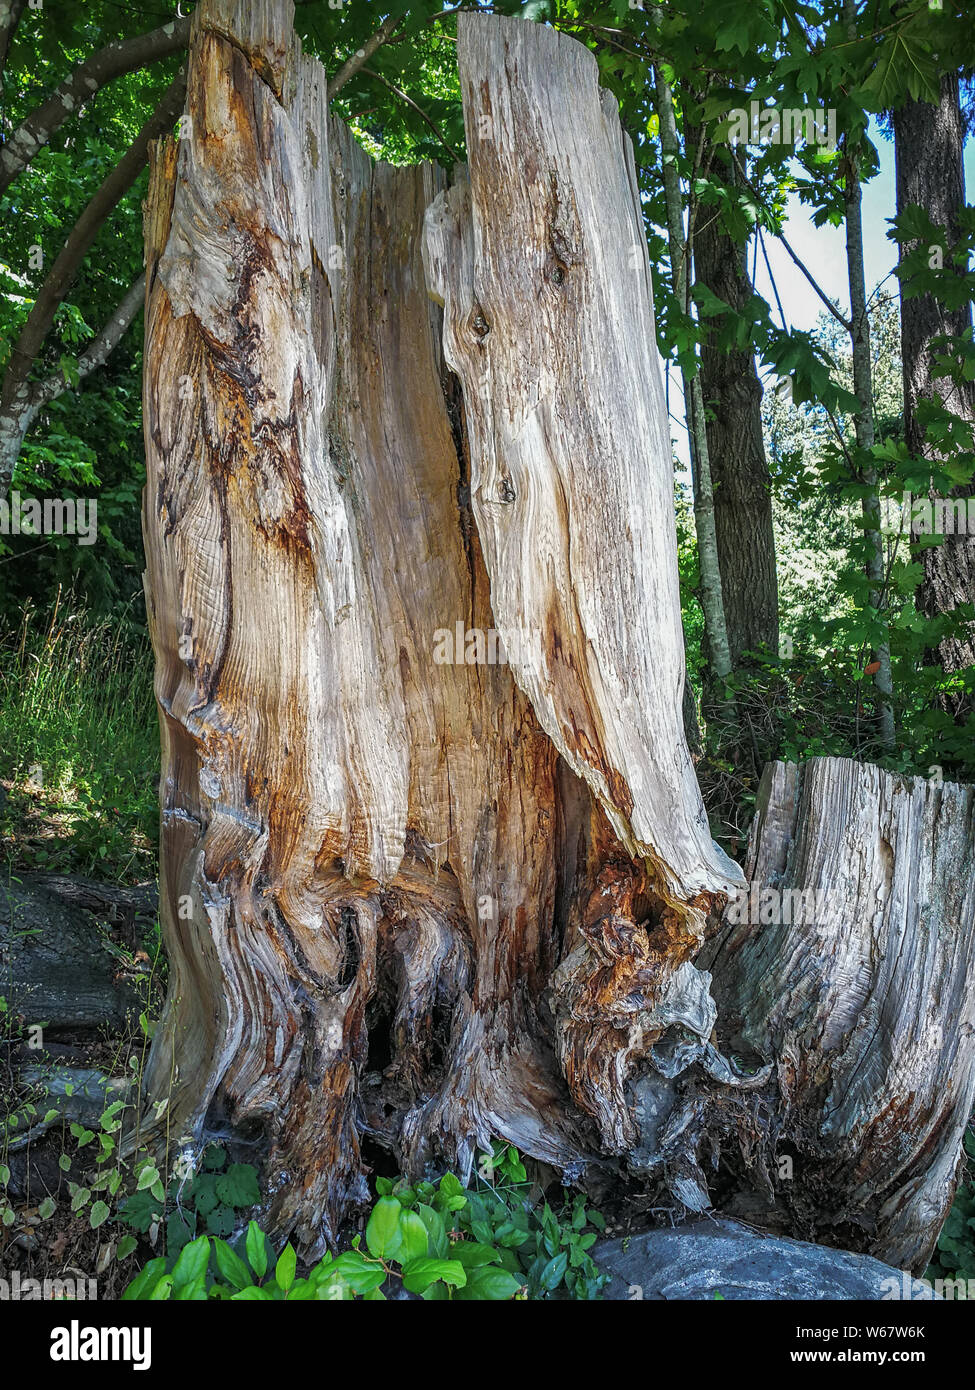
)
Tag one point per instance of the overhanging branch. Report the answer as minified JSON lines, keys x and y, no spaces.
{"x":16,"y":394}
{"x":358,"y":60}
{"x":114,"y":60}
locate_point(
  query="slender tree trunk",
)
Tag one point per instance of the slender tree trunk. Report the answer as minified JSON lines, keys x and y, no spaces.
{"x":928,"y":144}
{"x":39,"y":394}
{"x":712,"y":590}
{"x":414,"y":896}
{"x":80,"y":86}
{"x":18,"y":395}
{"x":863,"y":389}
{"x":736,"y":450}
{"x":11,"y":12}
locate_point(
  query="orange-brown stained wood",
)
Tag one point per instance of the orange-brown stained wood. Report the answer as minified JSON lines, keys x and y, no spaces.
{"x":358,"y":853}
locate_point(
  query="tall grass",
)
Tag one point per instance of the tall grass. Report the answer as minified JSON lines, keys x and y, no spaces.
{"x":79,"y":745}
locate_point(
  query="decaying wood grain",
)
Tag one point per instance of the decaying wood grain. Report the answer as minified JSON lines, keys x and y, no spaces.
{"x":416,"y":902}
{"x":549,"y":325}
{"x":865,"y":1005}
{"x":373,"y":861}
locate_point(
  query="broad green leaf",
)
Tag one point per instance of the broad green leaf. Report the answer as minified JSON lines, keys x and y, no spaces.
{"x":147,"y":1177}
{"x":238,"y":1186}
{"x":383,"y":1231}
{"x":99,"y":1213}
{"x":414,"y":1238}
{"x":436,"y":1230}
{"x":220,"y":1221}
{"x":256,"y":1250}
{"x":553,"y":1272}
{"x":358,"y":1272}
{"x":231,"y":1266}
{"x":143,"y":1282}
{"x":284,"y":1271}
{"x":472,"y":1254}
{"x":203,"y":1194}
{"x":489,"y":1283}
{"x":419,"y":1274}
{"x":192,"y":1262}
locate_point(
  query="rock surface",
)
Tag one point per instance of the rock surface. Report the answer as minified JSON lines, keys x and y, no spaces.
{"x":55,"y":966}
{"x":706,"y":1258}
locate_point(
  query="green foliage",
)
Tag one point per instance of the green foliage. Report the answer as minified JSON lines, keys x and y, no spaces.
{"x":206,"y":1201}
{"x":80,"y":746}
{"x":80,"y":750}
{"x":87,"y":442}
{"x":93,"y":1161}
{"x":439,"y":1241}
{"x":818,"y":697}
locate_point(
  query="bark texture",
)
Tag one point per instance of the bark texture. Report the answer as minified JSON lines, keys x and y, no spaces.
{"x":928,"y":143}
{"x":864,"y":425}
{"x":679,"y":251}
{"x":736,"y":447}
{"x":863,"y":1001}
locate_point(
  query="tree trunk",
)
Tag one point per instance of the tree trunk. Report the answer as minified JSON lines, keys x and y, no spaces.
{"x":20,"y":399}
{"x":928,"y":143}
{"x":414,"y":896}
{"x":736,"y":447}
{"x":712,"y":589}
{"x":863,"y":423}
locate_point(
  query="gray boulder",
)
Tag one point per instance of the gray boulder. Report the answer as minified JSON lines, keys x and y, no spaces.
{"x":56,"y":963}
{"x":718,"y":1257}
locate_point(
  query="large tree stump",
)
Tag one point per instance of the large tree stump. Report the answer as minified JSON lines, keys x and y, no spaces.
{"x":373,"y":859}
{"x":412,"y":895}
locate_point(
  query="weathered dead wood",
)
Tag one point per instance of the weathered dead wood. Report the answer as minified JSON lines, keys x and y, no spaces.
{"x":549,"y":326}
{"x":416,"y":901}
{"x":864,"y":1001}
{"x":371,"y":860}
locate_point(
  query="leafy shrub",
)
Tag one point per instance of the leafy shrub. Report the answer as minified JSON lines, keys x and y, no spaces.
{"x":436,"y":1241}
{"x":207,"y":1200}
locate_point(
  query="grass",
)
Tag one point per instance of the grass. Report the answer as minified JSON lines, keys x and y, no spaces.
{"x":80,"y":747}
